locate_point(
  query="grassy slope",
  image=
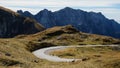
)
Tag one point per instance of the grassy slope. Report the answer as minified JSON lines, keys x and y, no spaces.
{"x":16,"y":52}
{"x":65,"y":35}
{"x":102,"y":57}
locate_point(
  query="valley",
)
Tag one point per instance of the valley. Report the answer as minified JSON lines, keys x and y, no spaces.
{"x":21,"y":35}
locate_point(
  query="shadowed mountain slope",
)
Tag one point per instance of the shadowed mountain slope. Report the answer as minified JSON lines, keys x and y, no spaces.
{"x":12,"y":24}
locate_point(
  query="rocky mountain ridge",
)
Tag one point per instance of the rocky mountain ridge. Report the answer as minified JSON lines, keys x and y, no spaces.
{"x":89,"y":22}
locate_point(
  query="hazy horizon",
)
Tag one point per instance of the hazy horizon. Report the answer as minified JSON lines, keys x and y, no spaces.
{"x":110,"y":9}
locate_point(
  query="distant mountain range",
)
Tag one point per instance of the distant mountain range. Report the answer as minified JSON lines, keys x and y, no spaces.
{"x":12,"y":24}
{"x":89,"y":22}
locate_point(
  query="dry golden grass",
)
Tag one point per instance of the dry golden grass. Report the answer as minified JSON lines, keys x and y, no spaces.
{"x":102,"y":57}
{"x":16,"y":52}
{"x":20,"y":57}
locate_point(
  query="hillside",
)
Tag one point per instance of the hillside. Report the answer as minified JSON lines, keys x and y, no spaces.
{"x":17,"y":52}
{"x":65,"y":35}
{"x":12,"y":24}
{"x":89,"y":22}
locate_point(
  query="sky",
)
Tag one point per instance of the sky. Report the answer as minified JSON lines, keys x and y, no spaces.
{"x":110,"y":8}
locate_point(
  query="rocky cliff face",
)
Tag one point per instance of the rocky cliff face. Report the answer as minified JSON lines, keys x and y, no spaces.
{"x":12,"y":24}
{"x":89,"y":22}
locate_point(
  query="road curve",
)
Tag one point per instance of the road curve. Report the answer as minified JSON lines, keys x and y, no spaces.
{"x":44,"y":53}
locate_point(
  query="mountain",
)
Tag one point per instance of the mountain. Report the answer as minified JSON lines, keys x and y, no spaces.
{"x":89,"y":22}
{"x":12,"y":24}
{"x":26,"y":13}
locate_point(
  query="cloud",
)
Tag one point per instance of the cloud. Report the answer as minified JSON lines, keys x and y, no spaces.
{"x":52,"y":3}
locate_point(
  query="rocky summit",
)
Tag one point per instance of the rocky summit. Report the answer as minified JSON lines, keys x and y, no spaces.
{"x":12,"y":24}
{"x":89,"y":22}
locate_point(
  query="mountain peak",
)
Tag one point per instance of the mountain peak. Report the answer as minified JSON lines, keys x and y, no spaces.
{"x":19,"y":11}
{"x":67,"y":8}
{"x":27,"y":12}
{"x":45,"y":10}
{"x":23,"y":12}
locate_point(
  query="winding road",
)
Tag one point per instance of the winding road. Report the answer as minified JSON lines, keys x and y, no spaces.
{"x":44,"y":53}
